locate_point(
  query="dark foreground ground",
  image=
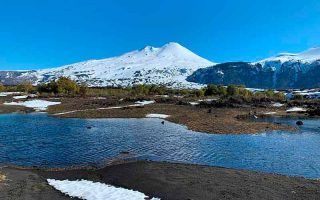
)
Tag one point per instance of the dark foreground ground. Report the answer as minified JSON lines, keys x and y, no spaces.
{"x":26,"y":185}
{"x":166,"y":181}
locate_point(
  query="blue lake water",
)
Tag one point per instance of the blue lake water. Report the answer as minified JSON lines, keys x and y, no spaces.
{"x":39,"y":140}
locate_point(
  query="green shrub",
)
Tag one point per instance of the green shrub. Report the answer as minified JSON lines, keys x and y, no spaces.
{"x":232,"y":90}
{"x":83,"y":89}
{"x":62,"y":86}
{"x":2,"y":88}
{"x":67,"y":86}
{"x":298,"y":97}
{"x":211,"y":90}
{"x":25,"y":86}
{"x":199,"y":93}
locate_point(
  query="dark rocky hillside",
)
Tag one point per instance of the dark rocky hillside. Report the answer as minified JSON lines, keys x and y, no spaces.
{"x":290,"y":74}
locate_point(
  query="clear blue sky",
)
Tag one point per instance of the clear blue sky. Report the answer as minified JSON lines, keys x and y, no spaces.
{"x":41,"y":33}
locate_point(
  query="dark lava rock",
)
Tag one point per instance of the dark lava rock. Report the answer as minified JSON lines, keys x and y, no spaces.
{"x":314,"y":112}
{"x":162,"y":122}
{"x":124,"y":152}
{"x":299,"y":123}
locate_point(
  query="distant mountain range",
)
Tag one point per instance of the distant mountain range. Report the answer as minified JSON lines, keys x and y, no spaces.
{"x":175,"y":66}
{"x":283,"y":71}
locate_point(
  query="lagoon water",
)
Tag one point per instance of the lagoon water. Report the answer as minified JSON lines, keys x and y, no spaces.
{"x":39,"y":140}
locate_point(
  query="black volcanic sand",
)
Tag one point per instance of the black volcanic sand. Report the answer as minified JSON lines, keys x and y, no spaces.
{"x":183,"y":181}
{"x":26,"y":185}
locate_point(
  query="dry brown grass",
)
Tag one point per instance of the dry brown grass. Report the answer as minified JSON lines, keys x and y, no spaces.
{"x":2,"y":177}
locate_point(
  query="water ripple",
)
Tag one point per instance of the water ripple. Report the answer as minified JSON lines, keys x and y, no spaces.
{"x":39,"y":140}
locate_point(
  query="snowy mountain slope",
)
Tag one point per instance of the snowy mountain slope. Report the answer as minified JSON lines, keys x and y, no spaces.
{"x":307,"y":56}
{"x":168,"y":65}
{"x":285,"y":70}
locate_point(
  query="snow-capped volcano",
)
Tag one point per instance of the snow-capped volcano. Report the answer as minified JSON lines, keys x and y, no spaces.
{"x":168,"y":65}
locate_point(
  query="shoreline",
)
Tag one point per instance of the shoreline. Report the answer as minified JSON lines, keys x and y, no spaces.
{"x":171,"y":181}
{"x":220,"y":121}
{"x":199,"y":118}
{"x":215,"y":121}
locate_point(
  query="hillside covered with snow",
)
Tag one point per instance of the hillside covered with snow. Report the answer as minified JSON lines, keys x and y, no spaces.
{"x":168,"y":65}
{"x":286,"y":70}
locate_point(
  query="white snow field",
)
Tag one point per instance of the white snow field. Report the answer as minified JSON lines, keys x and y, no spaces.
{"x":20,"y":97}
{"x":154,"y":115}
{"x":277,"y":105}
{"x":144,"y":102}
{"x":195,"y":103}
{"x":168,"y":65}
{"x":89,"y":190}
{"x":296,"y":109}
{"x":270,"y":113}
{"x":40,"y":105}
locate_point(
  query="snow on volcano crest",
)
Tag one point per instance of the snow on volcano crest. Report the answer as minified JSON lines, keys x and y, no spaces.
{"x":300,"y":62}
{"x":168,"y":65}
{"x":308,"y":56}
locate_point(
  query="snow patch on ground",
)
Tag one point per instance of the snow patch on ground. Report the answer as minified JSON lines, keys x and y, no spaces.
{"x":296,"y":109}
{"x":4,"y":94}
{"x":270,"y":113}
{"x":95,"y":191}
{"x":20,"y":97}
{"x":254,"y":90}
{"x":161,"y":116}
{"x":39,"y":105}
{"x":277,"y":105}
{"x":144,"y":102}
{"x":194,"y":103}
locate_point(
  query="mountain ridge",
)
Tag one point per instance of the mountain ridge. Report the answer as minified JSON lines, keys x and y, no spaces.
{"x":168,"y":65}
{"x":283,"y":71}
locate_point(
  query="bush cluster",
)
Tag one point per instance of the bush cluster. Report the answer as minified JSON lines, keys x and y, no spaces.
{"x":66,"y":86}
{"x":63,"y":86}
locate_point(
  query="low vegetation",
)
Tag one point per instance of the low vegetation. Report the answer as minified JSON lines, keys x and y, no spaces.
{"x":232,"y":94}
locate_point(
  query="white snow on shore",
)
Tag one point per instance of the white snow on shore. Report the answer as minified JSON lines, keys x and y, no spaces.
{"x":296,"y":109}
{"x":194,"y":103}
{"x":20,"y":97}
{"x":161,"y":116}
{"x":277,"y":104}
{"x":4,"y":94}
{"x":270,"y":113}
{"x":39,"y":105}
{"x":145,"y":102}
{"x":89,"y":190}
